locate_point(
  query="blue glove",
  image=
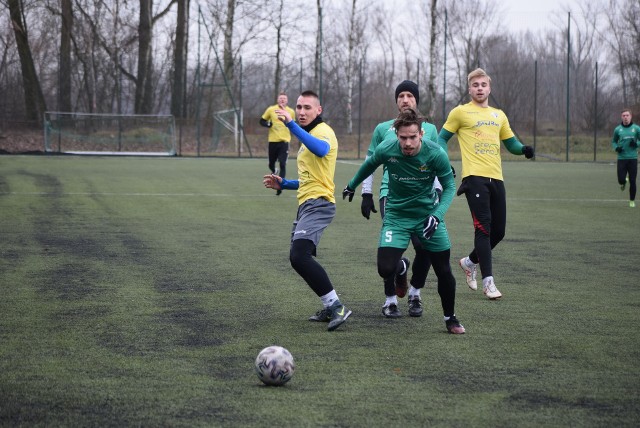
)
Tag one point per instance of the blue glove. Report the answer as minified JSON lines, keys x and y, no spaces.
{"x":430,"y":226}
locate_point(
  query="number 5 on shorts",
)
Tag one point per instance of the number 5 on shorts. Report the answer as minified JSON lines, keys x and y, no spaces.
{"x":388,"y":236}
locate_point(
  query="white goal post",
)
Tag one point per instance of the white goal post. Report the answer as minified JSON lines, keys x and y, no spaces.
{"x":109,"y":134}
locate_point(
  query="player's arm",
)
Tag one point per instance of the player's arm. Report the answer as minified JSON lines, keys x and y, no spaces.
{"x":615,"y":141}
{"x":443,"y":138}
{"x":365,"y":170}
{"x":445,"y":176}
{"x":273,"y":181}
{"x":517,"y":148}
{"x":317,"y":146}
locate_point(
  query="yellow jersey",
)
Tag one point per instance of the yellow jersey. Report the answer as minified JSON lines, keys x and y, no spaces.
{"x":480,"y":133}
{"x":315,"y":174}
{"x":278,"y":132}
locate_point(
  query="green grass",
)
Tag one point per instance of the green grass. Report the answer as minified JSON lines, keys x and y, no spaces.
{"x":138,"y":292}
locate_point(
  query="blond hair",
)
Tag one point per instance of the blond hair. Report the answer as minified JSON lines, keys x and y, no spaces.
{"x":478,"y":72}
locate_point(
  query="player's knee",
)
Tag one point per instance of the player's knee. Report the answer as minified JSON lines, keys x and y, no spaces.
{"x":300,"y":253}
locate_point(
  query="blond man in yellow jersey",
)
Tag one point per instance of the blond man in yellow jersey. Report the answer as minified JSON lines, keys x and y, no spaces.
{"x":316,"y":201}
{"x":482,"y":130}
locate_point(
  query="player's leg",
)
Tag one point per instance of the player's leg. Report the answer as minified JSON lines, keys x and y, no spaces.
{"x":394,"y":238}
{"x":283,"y":155}
{"x":388,"y":259}
{"x":273,"y":155}
{"x":622,"y":173}
{"x":439,"y":251}
{"x":313,"y":218}
{"x":419,"y":272}
{"x":633,"y":175}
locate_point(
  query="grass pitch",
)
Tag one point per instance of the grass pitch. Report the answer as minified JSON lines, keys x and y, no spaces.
{"x":138,"y":292}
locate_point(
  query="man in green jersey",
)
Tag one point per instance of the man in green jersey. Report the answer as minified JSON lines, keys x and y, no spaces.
{"x":413,"y":206}
{"x":625,"y":142}
{"x":316,"y":201}
{"x":481,"y":130}
{"x":407,"y":96}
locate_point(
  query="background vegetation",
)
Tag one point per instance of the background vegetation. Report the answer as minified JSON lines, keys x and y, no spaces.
{"x":195,"y":59}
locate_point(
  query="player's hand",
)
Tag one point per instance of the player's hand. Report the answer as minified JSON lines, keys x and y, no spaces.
{"x":272,"y":181}
{"x":348,"y":192}
{"x":367,"y":205}
{"x":528,"y":152}
{"x":430,"y":226}
{"x":619,"y":149}
{"x":453,"y":170}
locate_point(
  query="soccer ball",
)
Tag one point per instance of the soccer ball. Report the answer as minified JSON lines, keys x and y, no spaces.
{"x":274,"y":365}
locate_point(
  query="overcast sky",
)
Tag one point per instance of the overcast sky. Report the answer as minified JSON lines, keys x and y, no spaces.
{"x":536,"y":15}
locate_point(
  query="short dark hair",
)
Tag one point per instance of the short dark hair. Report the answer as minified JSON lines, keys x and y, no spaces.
{"x":309,"y":93}
{"x":407,"y":118}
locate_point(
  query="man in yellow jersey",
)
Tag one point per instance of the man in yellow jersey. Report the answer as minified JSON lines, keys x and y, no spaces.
{"x":480,"y":130}
{"x":316,"y":202}
{"x":279,"y":135}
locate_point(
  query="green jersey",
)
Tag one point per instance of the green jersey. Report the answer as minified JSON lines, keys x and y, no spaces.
{"x":627,"y":138}
{"x":382,"y":132}
{"x":411,"y":193}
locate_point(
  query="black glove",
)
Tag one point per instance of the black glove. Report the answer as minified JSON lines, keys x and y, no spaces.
{"x":367,"y":205}
{"x":430,"y":226}
{"x":527,"y":151}
{"x":453,"y":170}
{"x":619,"y":149}
{"x":348,"y":192}
{"x":633,"y":145}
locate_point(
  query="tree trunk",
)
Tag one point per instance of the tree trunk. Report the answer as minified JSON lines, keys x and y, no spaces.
{"x":278,"y":72}
{"x":143,"y":79}
{"x":35,"y":105}
{"x":178,"y":99}
{"x":228,"y":41}
{"x":433,"y":60}
{"x":65,"y":57}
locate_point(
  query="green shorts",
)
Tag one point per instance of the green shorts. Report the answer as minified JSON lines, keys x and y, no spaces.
{"x":396,"y":233}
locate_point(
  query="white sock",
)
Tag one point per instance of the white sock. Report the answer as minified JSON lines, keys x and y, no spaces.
{"x":468,"y":262}
{"x":330,"y":298}
{"x":390,"y":300}
{"x":486,"y":281}
{"x":414,"y":291}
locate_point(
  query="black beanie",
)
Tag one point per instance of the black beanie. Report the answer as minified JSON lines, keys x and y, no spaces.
{"x":408,"y":86}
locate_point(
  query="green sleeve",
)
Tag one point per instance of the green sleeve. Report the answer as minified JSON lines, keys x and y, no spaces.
{"x":366,"y":169}
{"x":448,"y":192}
{"x":513,"y":145}
{"x":614,"y":139}
{"x":443,"y":138}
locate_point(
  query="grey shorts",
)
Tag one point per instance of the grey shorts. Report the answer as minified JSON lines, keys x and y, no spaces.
{"x":313,"y":218}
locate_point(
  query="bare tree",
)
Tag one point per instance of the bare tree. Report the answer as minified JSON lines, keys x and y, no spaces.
{"x":65,"y":56}
{"x":33,"y":96}
{"x":180,"y":60}
{"x":433,"y":59}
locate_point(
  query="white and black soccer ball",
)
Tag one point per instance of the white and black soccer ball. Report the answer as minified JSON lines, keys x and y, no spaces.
{"x":275,"y":366}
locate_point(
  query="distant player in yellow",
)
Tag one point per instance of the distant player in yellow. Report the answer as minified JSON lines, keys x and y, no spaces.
{"x":316,"y":201}
{"x":279,"y":135}
{"x":481,"y":130}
